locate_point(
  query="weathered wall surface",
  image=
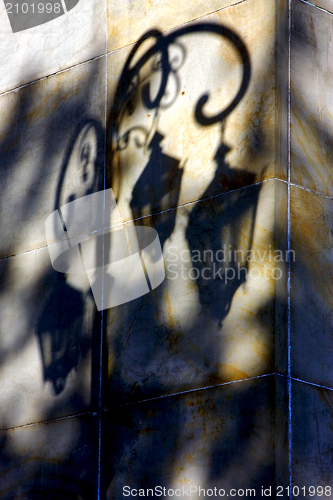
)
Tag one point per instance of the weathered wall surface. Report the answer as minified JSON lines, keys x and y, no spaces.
{"x":181,"y":109}
{"x":311,"y":236}
{"x":67,"y":369}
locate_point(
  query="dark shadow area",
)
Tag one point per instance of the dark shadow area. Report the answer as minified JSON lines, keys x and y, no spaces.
{"x":160,"y":180}
{"x":150,"y":347}
{"x":57,"y":460}
{"x":59,"y":332}
{"x":62,"y":466}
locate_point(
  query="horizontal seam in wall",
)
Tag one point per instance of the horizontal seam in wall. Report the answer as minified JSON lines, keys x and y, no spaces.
{"x":32,"y":424}
{"x":312,"y":191}
{"x":132,"y":403}
{"x":311,"y":383}
{"x":94,"y":413}
{"x":183,"y":24}
{"x":295,"y":379}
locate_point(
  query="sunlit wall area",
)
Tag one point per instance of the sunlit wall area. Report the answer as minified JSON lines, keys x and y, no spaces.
{"x":311,"y":237}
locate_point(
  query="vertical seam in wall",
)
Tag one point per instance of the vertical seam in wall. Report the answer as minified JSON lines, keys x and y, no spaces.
{"x":288,"y":243}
